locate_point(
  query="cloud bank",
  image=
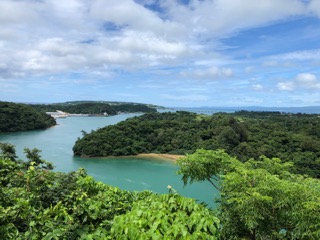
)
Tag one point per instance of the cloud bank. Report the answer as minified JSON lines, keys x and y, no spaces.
{"x":110,"y":40}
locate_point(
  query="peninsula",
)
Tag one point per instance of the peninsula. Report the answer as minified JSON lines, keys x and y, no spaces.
{"x":93,"y":108}
{"x":21,"y":117}
{"x":243,"y":134}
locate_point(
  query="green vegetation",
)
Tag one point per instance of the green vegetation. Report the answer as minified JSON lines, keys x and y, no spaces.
{"x":260,"y":199}
{"x":20,"y":117}
{"x":37,"y":203}
{"x":245,"y":135}
{"x":93,"y":107}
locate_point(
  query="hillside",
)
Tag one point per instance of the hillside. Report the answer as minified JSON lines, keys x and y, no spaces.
{"x":95,"y":107}
{"x":245,"y":135}
{"x":21,"y":117}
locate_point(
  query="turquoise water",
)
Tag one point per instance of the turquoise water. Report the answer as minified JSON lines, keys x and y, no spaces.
{"x":130,"y":173}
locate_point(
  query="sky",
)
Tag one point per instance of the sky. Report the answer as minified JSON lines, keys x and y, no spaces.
{"x":173,"y":53}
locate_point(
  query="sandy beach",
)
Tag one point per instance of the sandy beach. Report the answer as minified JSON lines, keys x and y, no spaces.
{"x":172,"y":157}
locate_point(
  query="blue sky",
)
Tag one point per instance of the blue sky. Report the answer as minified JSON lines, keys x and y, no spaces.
{"x":183,"y":53}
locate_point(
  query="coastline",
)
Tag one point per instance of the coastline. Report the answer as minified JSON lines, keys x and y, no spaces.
{"x":161,"y":156}
{"x":172,"y":157}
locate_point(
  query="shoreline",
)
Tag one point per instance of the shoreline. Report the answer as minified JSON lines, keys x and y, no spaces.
{"x":172,"y":157}
{"x":159,"y":156}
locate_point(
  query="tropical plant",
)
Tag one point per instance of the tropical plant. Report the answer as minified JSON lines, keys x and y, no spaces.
{"x":37,"y":203}
{"x":260,"y":199}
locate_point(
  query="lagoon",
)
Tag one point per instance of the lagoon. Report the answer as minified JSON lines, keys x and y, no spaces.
{"x":129,"y":173}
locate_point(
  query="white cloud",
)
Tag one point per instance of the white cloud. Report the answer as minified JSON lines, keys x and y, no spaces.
{"x":212,"y":73}
{"x":57,"y":47}
{"x":308,"y":80}
{"x":66,"y":9}
{"x":134,"y":16}
{"x":222,"y":17}
{"x":102,"y":38}
{"x":296,"y":56}
{"x":286,"y":86}
{"x":40,"y":36}
{"x":314,"y":6}
{"x":148,"y":42}
{"x":17,"y":11}
{"x":302,"y":81}
{"x":58,"y":54}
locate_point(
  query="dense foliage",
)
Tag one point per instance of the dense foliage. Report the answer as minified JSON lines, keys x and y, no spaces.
{"x":93,"y":107}
{"x":245,"y":135}
{"x":259,"y":199}
{"x":37,"y":203}
{"x":20,"y":117}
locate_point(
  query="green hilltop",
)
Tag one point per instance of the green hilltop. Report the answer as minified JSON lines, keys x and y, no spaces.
{"x":21,"y":117}
{"x":245,"y":135}
{"x":96,"y":107}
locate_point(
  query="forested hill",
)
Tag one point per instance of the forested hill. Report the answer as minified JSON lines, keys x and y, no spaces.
{"x":94,"y":107}
{"x":20,"y":117}
{"x":290,"y":137}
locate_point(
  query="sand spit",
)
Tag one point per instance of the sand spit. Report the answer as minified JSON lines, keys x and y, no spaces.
{"x":172,"y":157}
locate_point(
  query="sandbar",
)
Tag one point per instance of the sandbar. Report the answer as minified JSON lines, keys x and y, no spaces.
{"x":172,"y":157}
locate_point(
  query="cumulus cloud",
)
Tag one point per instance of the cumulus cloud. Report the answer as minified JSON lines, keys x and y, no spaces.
{"x":308,"y":80}
{"x":134,"y":16}
{"x":148,"y":42}
{"x":302,"y":81}
{"x":222,"y":17}
{"x":58,"y":54}
{"x":286,"y":86}
{"x":57,"y":35}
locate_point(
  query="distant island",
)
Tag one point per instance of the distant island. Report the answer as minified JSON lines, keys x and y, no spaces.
{"x":243,"y":134}
{"x":21,"y":117}
{"x":212,"y":109}
{"x":94,"y":108}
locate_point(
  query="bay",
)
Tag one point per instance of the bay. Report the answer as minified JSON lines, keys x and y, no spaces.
{"x":129,"y":173}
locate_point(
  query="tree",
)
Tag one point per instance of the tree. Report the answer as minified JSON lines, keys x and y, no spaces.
{"x":168,"y":216}
{"x":21,"y":117}
{"x":36,"y":203}
{"x":260,"y":199}
{"x":204,"y":165}
{"x":34,"y":158}
{"x":243,"y":135}
{"x":8,"y":151}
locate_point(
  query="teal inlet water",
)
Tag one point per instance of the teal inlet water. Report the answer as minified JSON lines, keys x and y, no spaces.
{"x":130,"y":173}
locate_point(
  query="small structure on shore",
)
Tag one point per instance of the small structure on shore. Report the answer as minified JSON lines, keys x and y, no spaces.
{"x":58,"y":114}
